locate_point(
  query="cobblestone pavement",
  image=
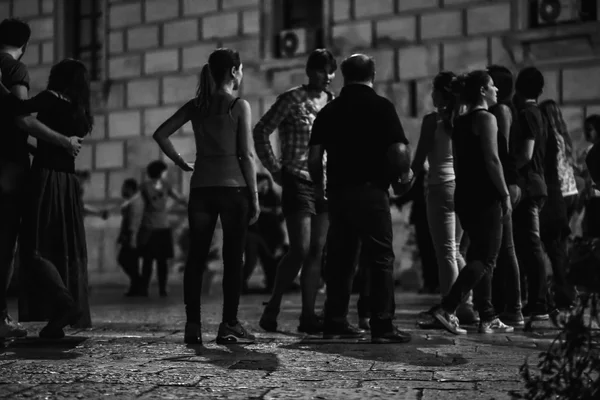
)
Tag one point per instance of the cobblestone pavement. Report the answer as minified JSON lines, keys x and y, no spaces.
{"x":136,"y":350}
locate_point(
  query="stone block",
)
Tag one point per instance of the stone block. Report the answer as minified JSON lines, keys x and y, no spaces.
{"x":195,"y":7}
{"x":286,"y":79}
{"x":398,"y":93}
{"x":124,"y":124}
{"x":505,"y":55}
{"x":341,"y":10}
{"x":194,"y":57}
{"x":32,"y":55}
{"x":158,"y":10}
{"x":574,"y":117}
{"x":142,"y":37}
{"x":125,"y":66}
{"x":109,"y":155}
{"x":154,"y":117}
{"x":161,"y":61}
{"x":551,"y":86}
{"x":410,"y":5}
{"x":592,"y":109}
{"x":186,"y":146}
{"x":99,"y":130}
{"x":227,"y":4}
{"x":116,"y":96}
{"x":465,"y":55}
{"x":179,"y":89}
{"x":140,"y":152}
{"x":352,"y":36}
{"x":418,"y":61}
{"x":116,"y":179}
{"x":581,"y":84}
{"x":444,"y":24}
{"x":26,"y":8}
{"x":251,"y":22}
{"x":187,"y":129}
{"x":398,"y":30}
{"x":248,"y":48}
{"x":41,"y":28}
{"x":489,"y":18}
{"x":255,"y":83}
{"x":423,"y":99}
{"x":126,"y":14}
{"x":220,"y":25}
{"x":116,"y":42}
{"x":38,"y":77}
{"x":5,"y":9}
{"x":459,"y":2}
{"x":385,"y":65}
{"x":183,"y":31}
{"x":95,"y":190}
{"x":47,"y":6}
{"x":144,"y":92}
{"x":84,"y":160}
{"x":48,"y":53}
{"x":364,"y":9}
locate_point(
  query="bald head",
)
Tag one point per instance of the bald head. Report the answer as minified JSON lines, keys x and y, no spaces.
{"x":358,"y":68}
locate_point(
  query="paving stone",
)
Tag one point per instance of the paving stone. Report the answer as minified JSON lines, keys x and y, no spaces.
{"x":432,"y":394}
{"x":178,"y":393}
{"x":82,"y":391}
{"x":347,"y":394}
{"x":475,"y":375}
{"x":397,"y":384}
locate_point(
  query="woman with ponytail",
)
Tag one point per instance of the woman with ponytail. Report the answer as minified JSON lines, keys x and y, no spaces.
{"x":223,"y":184}
{"x":482,"y":202}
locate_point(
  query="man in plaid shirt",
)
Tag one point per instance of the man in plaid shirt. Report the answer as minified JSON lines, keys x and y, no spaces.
{"x":304,"y":210}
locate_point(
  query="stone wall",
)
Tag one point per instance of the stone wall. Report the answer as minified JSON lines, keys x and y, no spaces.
{"x":157,"y":47}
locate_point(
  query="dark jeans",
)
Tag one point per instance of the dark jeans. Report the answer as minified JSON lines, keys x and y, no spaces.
{"x":360,"y":214}
{"x":129,"y":260}
{"x":162,"y":272}
{"x":506,"y":284}
{"x":484,"y":228}
{"x":12,"y":179}
{"x":206,"y":205}
{"x":530,"y":252}
{"x":258,"y":249}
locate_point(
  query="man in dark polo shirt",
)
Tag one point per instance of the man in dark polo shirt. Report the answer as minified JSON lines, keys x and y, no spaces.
{"x":14,"y":155}
{"x":362,"y":135}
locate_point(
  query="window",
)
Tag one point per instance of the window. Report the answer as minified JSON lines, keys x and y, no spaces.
{"x":87,"y":34}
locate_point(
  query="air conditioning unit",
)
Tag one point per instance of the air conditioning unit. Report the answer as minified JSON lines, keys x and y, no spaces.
{"x":293,"y":42}
{"x":551,"y":12}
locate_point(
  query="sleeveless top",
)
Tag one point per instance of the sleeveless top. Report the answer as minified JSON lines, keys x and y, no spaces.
{"x":474,"y":187}
{"x":217,"y":156}
{"x":441,"y":163}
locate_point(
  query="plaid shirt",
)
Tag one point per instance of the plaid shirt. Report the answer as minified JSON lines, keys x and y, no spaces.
{"x":293,"y":115}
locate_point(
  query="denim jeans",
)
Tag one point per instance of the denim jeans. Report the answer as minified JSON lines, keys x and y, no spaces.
{"x":530,"y":252}
{"x":484,"y":227}
{"x":207,"y":204}
{"x":360,"y":214}
{"x":506,"y":285}
{"x":446,"y":232}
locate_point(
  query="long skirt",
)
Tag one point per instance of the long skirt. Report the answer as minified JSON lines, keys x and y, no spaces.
{"x":53,"y":257}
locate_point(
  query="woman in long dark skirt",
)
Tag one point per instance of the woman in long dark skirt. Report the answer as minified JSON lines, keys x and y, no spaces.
{"x":53,"y":272}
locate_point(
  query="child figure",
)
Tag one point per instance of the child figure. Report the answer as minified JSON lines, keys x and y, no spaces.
{"x":155,"y":239}
{"x":132,"y":211}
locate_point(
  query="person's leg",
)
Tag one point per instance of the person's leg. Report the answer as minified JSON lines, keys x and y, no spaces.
{"x":10,"y":219}
{"x":555,"y":243}
{"x":162,"y":273}
{"x":511,"y":278}
{"x":429,"y":267}
{"x":129,"y":261}
{"x":311,"y":270}
{"x":147,"y":266}
{"x":251,"y":255}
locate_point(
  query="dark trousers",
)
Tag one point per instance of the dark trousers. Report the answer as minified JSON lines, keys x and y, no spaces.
{"x":129,"y":260}
{"x":528,"y":245}
{"x":162,"y":271}
{"x":363,"y":281}
{"x":258,"y":249}
{"x":360,"y":214}
{"x":206,"y":205}
{"x":12,"y":185}
{"x":484,"y":227}
{"x":506,"y":284}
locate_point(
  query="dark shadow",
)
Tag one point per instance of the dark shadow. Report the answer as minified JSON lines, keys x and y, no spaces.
{"x":34,"y":348}
{"x":410,"y":353}
{"x":232,"y":357}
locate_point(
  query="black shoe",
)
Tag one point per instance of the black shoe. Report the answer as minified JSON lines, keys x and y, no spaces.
{"x":268,"y":320}
{"x":193,"y":333}
{"x":339,"y":331}
{"x":234,"y":334}
{"x":52,"y":332}
{"x":311,"y":325}
{"x":393,"y":336}
{"x":536,"y":313}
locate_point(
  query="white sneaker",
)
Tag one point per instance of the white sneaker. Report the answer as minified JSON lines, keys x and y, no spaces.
{"x":11,"y":329}
{"x":495,"y":326}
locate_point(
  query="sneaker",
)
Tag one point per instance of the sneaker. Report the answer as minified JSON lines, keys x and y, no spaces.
{"x":342,"y":331}
{"x":268,"y":320}
{"x":394,"y":336}
{"x":426,"y":320}
{"x":536,"y":313}
{"x":364,"y":324}
{"x":467,"y":315}
{"x":513,"y":318}
{"x":311,"y":325}
{"x":449,"y":321}
{"x":11,"y":329}
{"x":495,"y":326}
{"x":234,"y":334}
{"x":193,"y":333}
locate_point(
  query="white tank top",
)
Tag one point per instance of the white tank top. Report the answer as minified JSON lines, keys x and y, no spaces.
{"x":441,"y":163}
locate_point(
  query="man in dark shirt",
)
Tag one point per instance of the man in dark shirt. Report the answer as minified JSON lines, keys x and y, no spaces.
{"x":364,"y":139}
{"x":529,"y":146}
{"x":14,"y":155}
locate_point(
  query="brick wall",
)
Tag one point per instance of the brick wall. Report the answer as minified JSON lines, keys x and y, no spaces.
{"x":157,"y":47}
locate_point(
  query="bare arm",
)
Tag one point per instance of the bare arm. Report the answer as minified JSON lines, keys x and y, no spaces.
{"x":526,"y":153}
{"x":428,"y":127}
{"x":488,"y":131}
{"x":168,"y":128}
{"x":246,"y":145}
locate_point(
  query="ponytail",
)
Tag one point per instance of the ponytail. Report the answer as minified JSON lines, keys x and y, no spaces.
{"x":206,"y":88}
